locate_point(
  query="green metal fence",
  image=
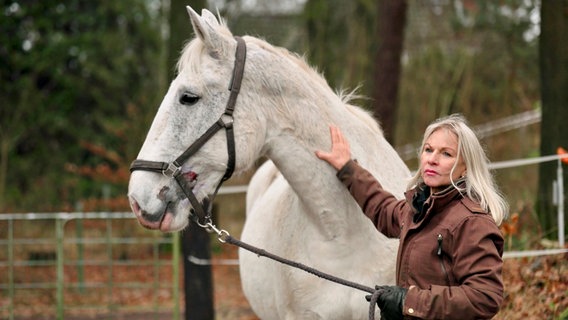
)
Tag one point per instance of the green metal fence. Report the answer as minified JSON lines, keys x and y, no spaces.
{"x":96,"y":263}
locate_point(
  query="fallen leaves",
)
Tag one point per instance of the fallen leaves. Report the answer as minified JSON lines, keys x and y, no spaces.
{"x":535,"y":288}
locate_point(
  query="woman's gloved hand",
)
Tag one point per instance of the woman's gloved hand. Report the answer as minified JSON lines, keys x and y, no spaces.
{"x":390,"y":301}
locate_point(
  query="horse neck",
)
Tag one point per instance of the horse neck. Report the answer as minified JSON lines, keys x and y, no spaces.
{"x":291,"y":145}
{"x":298,"y":109}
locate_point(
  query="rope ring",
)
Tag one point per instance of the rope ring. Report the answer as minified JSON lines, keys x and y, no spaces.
{"x":223,"y":235}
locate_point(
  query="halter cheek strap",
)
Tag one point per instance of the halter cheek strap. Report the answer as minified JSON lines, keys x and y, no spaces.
{"x":173,"y":169}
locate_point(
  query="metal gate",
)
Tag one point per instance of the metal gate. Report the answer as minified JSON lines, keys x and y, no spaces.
{"x":65,"y":264}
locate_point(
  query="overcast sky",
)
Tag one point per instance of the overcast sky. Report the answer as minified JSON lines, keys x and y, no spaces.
{"x":273,"y":6}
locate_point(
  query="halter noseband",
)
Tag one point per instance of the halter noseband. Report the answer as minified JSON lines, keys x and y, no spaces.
{"x":173,"y":169}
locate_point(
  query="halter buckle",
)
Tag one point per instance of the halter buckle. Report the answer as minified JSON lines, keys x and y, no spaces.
{"x":226,"y":120}
{"x":171,"y":171}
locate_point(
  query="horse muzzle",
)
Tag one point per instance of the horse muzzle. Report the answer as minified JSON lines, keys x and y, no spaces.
{"x":153,"y":221}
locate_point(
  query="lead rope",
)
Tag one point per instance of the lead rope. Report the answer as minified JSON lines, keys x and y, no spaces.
{"x":225,"y":237}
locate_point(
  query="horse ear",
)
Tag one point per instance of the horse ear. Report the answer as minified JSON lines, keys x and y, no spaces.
{"x":209,"y":17}
{"x":206,"y":28}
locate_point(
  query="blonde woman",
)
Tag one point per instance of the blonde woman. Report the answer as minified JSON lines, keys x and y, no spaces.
{"x":450,"y":255}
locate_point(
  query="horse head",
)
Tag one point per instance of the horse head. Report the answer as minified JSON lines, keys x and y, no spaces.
{"x":186,"y":154}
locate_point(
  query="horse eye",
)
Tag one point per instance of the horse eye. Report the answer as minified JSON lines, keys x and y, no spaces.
{"x":188,"y":99}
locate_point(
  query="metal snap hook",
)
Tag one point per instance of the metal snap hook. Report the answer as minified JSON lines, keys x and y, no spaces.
{"x":222,"y":234}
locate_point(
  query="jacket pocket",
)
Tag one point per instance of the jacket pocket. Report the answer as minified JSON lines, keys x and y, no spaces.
{"x":440,"y":255}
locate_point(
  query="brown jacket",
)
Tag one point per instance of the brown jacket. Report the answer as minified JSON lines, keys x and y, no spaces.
{"x":450,"y":258}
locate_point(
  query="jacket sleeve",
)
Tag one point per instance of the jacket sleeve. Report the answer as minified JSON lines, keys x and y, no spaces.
{"x":385,"y":210}
{"x":477,"y":267}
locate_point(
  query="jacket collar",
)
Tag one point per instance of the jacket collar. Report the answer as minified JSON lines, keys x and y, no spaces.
{"x":421,"y":200}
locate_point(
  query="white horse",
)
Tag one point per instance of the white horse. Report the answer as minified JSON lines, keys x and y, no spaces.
{"x":296,"y":207}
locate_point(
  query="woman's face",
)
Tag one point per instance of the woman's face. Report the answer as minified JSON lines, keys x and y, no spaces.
{"x":437,"y":159}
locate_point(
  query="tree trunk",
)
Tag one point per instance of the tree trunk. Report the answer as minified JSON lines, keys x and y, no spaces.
{"x":553,"y":52}
{"x":4,"y":155}
{"x":390,"y":33}
{"x":198,"y":278}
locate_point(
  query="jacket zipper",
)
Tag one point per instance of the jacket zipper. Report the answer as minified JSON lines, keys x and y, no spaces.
{"x":441,"y":258}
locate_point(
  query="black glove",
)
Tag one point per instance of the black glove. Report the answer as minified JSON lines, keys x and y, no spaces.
{"x":391,"y":302}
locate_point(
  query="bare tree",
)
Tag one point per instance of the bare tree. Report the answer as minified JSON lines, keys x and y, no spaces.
{"x":554,"y":81}
{"x":391,"y":20}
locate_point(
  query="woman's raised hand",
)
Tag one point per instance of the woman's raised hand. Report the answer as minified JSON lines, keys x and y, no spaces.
{"x":340,"y":152}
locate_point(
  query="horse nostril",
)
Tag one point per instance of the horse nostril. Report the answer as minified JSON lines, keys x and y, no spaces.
{"x":151,"y":217}
{"x":135,"y":207}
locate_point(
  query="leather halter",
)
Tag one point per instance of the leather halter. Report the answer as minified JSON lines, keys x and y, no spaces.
{"x":173,"y":169}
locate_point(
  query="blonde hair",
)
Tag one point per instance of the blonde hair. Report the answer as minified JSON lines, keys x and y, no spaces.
{"x":480,"y":185}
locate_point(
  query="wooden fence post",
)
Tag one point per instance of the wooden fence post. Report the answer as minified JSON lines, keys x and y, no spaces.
{"x":198,"y":281}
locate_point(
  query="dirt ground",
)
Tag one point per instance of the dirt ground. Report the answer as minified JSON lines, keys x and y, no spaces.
{"x":535,"y":288}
